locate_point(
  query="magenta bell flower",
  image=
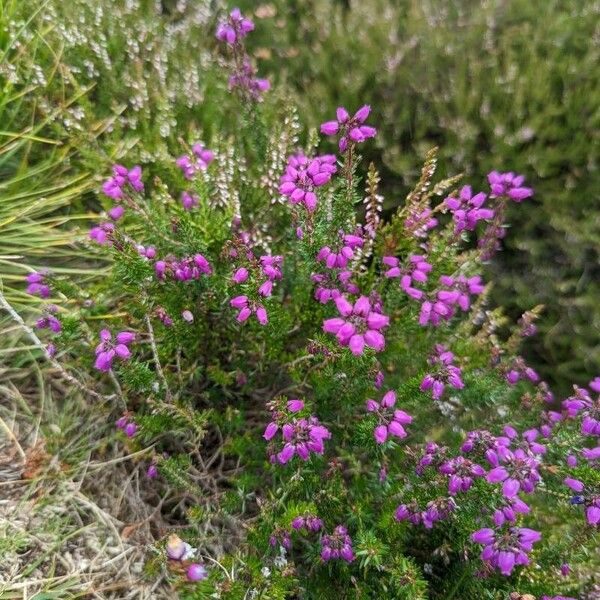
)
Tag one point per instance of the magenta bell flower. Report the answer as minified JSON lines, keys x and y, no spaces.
{"x":467,"y":210}
{"x":415,"y":273}
{"x":303,"y":176}
{"x":461,"y":473}
{"x":236,"y":27}
{"x":358,"y":326}
{"x":507,"y":548}
{"x":444,"y":372}
{"x":106,"y":351}
{"x":352,"y":129}
{"x":337,"y":545}
{"x":101,"y":234}
{"x":37,"y":285}
{"x":190,"y":165}
{"x":518,"y":472}
{"x":390,"y":421}
{"x":509,"y":185}
{"x":188,"y":201}
{"x":122,"y":177}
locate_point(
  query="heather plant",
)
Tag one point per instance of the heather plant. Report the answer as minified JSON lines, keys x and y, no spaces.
{"x":325,"y":398}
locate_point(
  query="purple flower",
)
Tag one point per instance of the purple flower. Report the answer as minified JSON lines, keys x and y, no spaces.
{"x":508,"y":185}
{"x":415,"y":273}
{"x":176,"y":547}
{"x":467,"y":209}
{"x":461,"y":473}
{"x":358,"y":326}
{"x":101,"y":234}
{"x":122,"y":179}
{"x":587,"y":409}
{"x":37,"y":284}
{"x":303,"y":175}
{"x":107,"y":350}
{"x":435,"y":510}
{"x":188,"y":201}
{"x":505,"y":549}
{"x":444,"y":372}
{"x":196,"y":572}
{"x":337,"y":545}
{"x":183,"y":269}
{"x":351,"y":129}
{"x":517,"y":472}
{"x":390,"y":421}
{"x":234,"y":28}
{"x":199,"y":160}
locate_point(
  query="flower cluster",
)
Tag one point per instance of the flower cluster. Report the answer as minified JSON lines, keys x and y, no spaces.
{"x":236,"y":27}
{"x":308,"y":522}
{"x":300,"y":436}
{"x":458,"y":293}
{"x":303,"y":176}
{"x":519,"y":370}
{"x":435,"y":510}
{"x":199,"y":160}
{"x":461,"y":473}
{"x":415,"y":272}
{"x":390,"y":421}
{"x":351,"y":129}
{"x":509,"y":185}
{"x":49,"y":321}
{"x":581,"y":404}
{"x":444,"y":372}
{"x":101,"y":234}
{"x":127,"y":425}
{"x":122,"y":178}
{"x":517,"y":471}
{"x":183,"y":269}
{"x":337,"y":545}
{"x":359,"y":325}
{"x":504,"y":549}
{"x":106,"y":350}
{"x":467,"y":209}
{"x":37,"y":284}
{"x":245,"y":79}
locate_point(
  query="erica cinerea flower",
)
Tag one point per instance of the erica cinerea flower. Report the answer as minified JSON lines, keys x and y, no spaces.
{"x":461,"y":474}
{"x":308,"y":522}
{"x":303,"y":175}
{"x":116,"y":186}
{"x":101,"y":234}
{"x":517,"y":472}
{"x":37,"y":285}
{"x":337,"y":545}
{"x":390,"y":421}
{"x":300,"y":436}
{"x":443,"y":372}
{"x":505,"y":549}
{"x":107,"y":350}
{"x":127,"y":425}
{"x":351,"y":129}
{"x":49,"y":321}
{"x":188,"y":201}
{"x":236,"y":27}
{"x":435,"y":510}
{"x":509,"y":185}
{"x":199,"y":160}
{"x":358,"y":326}
{"x":467,"y":209}
{"x":414,"y":273}
{"x":196,"y":572}
{"x":581,"y":404}
{"x":183,"y":269}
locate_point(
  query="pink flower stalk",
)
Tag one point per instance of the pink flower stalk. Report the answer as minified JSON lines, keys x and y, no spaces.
{"x":519,"y":370}
{"x":419,"y":221}
{"x":444,"y":372}
{"x":351,"y":129}
{"x":37,"y":284}
{"x":414,"y":273}
{"x":184,"y":269}
{"x":337,"y":545}
{"x":303,"y":176}
{"x":127,"y":425}
{"x":467,"y":210}
{"x":116,"y":212}
{"x":359,"y":325}
{"x":483,"y":443}
{"x":234,"y":28}
{"x":199,"y":160}
{"x":390,"y":421}
{"x":461,"y":473}
{"x":122,"y":178}
{"x":246,"y":308}
{"x":101,"y":234}
{"x":433,"y":456}
{"x":506,"y":549}
{"x":509,"y":185}
{"x":245,"y":79}
{"x":282,"y":537}
{"x":107,"y":350}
